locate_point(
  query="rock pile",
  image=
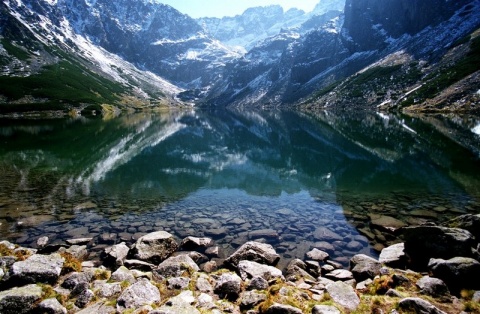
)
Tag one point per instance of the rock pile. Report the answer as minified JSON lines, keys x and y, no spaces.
{"x":157,"y":275}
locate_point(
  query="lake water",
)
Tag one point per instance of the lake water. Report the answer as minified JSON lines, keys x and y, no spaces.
{"x":342,"y":182}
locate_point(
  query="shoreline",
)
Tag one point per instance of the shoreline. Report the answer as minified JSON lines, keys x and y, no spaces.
{"x":159,"y":275}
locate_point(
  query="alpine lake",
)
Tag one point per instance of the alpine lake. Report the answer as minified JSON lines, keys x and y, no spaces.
{"x":343,"y":182}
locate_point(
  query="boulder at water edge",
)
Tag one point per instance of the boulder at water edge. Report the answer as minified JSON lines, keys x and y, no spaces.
{"x":458,"y":272}
{"x":425,"y":242}
{"x":254,"y":251}
{"x":154,"y":247}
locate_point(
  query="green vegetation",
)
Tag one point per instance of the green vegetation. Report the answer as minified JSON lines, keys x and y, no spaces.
{"x":445,"y":77}
{"x":375,"y":73}
{"x":71,"y":264}
{"x":15,"y":51}
{"x":62,"y":83}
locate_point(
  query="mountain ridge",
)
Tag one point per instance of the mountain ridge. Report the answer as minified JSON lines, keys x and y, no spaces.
{"x":160,"y":55}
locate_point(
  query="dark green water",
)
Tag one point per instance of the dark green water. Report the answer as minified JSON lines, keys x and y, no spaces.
{"x":237,"y":176}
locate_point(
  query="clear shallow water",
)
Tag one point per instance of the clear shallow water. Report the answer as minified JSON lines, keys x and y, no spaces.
{"x":235,"y":176}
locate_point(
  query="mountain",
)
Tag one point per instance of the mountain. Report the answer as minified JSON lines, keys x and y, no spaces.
{"x":46,"y":65}
{"x":391,"y":54}
{"x":151,"y":35}
{"x":244,"y":31}
{"x":397,"y":32}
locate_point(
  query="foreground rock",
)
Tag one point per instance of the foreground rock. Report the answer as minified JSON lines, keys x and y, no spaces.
{"x":425,"y":242}
{"x":20,"y":300}
{"x":249,"y":269}
{"x":37,"y":269}
{"x":394,"y":256}
{"x":139,"y":294}
{"x":254,"y":251}
{"x":344,"y":295}
{"x":417,"y":305}
{"x":364,"y":267}
{"x":246,"y":283}
{"x":154,"y":247}
{"x":458,"y":272}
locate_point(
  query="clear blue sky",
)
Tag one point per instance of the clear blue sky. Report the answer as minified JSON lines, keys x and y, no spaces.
{"x":221,"y":8}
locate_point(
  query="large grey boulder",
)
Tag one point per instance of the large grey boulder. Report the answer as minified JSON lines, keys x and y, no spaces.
{"x":277,"y":308}
{"x":250,"y":299}
{"x":73,"y":279}
{"x":433,"y":287}
{"x":37,"y":269}
{"x":19,"y":300}
{"x":254,"y":251}
{"x":108,"y":290}
{"x":123,"y":274}
{"x":196,"y":244}
{"x":296,"y":270}
{"x":249,"y":269}
{"x":51,"y":306}
{"x":137,"y":295}
{"x":257,"y":283}
{"x":364,"y":267}
{"x":154,"y":247}
{"x":325,"y":309}
{"x":180,"y":304}
{"x":174,"y":266}
{"x":344,"y":295}
{"x":417,"y":305}
{"x":116,"y":255}
{"x":457,"y":273}
{"x":84,"y":298}
{"x":229,"y":286}
{"x":425,"y":242}
{"x":98,"y":308}
{"x":394,"y":256}
{"x":317,"y":255}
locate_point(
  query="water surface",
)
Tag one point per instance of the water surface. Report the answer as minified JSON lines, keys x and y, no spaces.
{"x":275,"y":176}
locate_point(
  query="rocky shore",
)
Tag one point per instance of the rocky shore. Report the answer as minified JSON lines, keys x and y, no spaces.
{"x":435,"y":269}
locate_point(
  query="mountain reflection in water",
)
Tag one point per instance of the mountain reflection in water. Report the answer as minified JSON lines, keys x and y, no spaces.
{"x":233,"y":175}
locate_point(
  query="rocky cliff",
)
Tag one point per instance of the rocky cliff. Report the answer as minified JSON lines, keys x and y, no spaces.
{"x":368,"y":32}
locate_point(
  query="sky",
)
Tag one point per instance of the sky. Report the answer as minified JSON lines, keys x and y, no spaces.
{"x":221,"y":8}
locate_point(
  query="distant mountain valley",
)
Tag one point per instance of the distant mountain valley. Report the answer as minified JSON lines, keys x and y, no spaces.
{"x":107,"y":55}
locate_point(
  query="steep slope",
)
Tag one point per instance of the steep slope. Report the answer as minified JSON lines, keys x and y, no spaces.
{"x":372,"y":31}
{"x":151,"y":35}
{"x":411,"y":81}
{"x":51,"y":66}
